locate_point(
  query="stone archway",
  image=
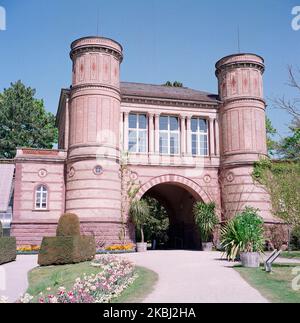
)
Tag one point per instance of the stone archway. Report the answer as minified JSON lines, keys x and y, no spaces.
{"x":188,"y":184}
{"x":177,"y":194}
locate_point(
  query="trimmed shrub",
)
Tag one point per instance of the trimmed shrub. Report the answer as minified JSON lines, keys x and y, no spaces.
{"x":68,"y":225}
{"x":66,"y":250}
{"x":1,"y":230}
{"x":8,"y":249}
{"x":68,"y":247}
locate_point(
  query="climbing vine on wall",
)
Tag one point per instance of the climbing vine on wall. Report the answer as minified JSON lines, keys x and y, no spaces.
{"x":282,"y":181}
{"x":129,"y":189}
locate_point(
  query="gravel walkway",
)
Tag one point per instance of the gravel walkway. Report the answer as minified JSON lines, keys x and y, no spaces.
{"x":13,"y":277}
{"x":195,"y":277}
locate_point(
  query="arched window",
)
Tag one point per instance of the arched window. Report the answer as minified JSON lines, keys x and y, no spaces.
{"x":41,"y":198}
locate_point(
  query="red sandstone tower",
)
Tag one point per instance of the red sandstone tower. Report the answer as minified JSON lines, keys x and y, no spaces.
{"x":93,"y":188}
{"x":243,"y":132}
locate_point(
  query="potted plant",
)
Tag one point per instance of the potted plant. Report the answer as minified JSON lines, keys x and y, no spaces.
{"x":139,"y":213}
{"x":243,"y":238}
{"x":206,"y":220}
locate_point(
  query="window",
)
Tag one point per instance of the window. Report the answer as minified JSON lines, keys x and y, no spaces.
{"x":199,"y":137}
{"x":41,"y":198}
{"x":169,"y":135}
{"x":137,"y":137}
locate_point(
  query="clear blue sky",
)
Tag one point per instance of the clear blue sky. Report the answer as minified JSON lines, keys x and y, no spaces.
{"x":163,"y":40}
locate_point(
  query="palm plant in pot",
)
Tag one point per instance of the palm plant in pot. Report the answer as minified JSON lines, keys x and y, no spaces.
{"x":206,"y":220}
{"x":139,"y":213}
{"x":243,"y":238}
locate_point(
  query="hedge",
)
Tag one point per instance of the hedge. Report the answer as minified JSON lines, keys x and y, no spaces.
{"x":8,"y":249}
{"x":68,"y":225}
{"x":66,"y":250}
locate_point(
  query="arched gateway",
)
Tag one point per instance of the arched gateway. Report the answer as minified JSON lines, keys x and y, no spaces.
{"x":178,"y":195}
{"x":176,"y":180}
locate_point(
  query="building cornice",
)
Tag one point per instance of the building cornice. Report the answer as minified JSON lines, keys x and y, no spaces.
{"x":96,"y":49}
{"x":169,"y":102}
{"x":232,"y":66}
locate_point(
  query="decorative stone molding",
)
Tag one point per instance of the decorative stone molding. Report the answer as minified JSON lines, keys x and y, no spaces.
{"x":134,"y":176}
{"x":96,"y":49}
{"x":207,"y":179}
{"x":42,"y":173}
{"x":230,"y":177}
{"x":71,"y":172}
{"x":95,"y":86}
{"x":229,"y":67}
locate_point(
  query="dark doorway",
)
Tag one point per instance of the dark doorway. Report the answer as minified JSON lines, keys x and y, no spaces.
{"x":177,"y":201}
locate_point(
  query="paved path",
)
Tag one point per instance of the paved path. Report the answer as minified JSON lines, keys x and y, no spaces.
{"x":195,"y":277}
{"x":13,"y":277}
{"x":184,"y":277}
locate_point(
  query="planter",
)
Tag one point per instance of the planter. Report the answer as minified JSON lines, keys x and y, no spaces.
{"x":141,"y":247}
{"x":207,"y":246}
{"x":250,"y":259}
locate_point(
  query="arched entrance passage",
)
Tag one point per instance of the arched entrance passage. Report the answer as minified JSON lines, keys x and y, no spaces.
{"x":177,"y":194}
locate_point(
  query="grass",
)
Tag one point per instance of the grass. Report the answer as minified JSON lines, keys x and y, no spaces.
{"x":275,"y":286}
{"x":42,"y":278}
{"x":290,"y":254}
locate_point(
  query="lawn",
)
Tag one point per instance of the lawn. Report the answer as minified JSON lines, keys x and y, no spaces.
{"x":275,"y":286}
{"x":42,"y":278}
{"x":291,"y":254}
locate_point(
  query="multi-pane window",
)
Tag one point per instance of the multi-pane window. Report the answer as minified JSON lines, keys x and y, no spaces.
{"x":41,"y":198}
{"x":137,"y":136}
{"x":169,"y":135}
{"x":199,"y":129}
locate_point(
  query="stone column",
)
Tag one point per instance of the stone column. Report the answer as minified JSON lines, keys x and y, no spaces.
{"x":189,"y":135}
{"x":126,"y":127}
{"x":211,"y":137}
{"x":122,"y":131}
{"x":217,"y":137}
{"x":151,"y":133}
{"x":67,"y":125}
{"x":157,"y":116}
{"x":183,"y":135}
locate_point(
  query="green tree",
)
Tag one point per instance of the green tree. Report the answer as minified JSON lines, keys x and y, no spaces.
{"x":173,"y":84}
{"x":157,"y":225}
{"x":271,"y":132}
{"x":24,"y":121}
{"x":289,"y":147}
{"x":282,"y":181}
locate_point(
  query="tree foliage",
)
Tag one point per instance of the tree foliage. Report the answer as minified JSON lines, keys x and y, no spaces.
{"x":173,"y":84}
{"x":24,"y":121}
{"x":139,"y":213}
{"x":271,"y":132}
{"x":282,"y":181}
{"x":157,"y":225}
{"x":289,"y":147}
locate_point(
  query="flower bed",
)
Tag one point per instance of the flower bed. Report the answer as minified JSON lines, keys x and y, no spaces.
{"x":117,"y":249}
{"x":28,"y":250}
{"x":115,"y":275}
{"x":127,"y":247}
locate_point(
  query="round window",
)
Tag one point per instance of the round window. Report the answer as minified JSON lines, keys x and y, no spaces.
{"x":98,"y":170}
